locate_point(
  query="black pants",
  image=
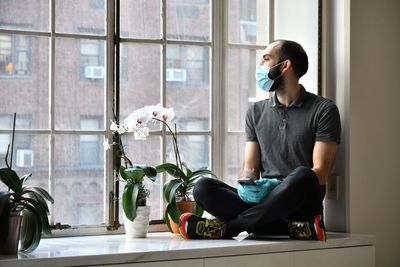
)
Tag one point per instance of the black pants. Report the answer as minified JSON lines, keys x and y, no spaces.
{"x":298,"y":197}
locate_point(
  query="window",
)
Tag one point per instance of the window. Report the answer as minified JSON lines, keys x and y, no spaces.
{"x":91,"y":61}
{"x":187,"y":66}
{"x":188,"y":56}
{"x":15,"y":55}
{"x":90,"y":146}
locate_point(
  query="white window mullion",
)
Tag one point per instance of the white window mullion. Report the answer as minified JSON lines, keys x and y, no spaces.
{"x":52,"y":106}
{"x":109,"y":104}
{"x":218,"y":107}
{"x":163,"y":96}
{"x":271,"y":21}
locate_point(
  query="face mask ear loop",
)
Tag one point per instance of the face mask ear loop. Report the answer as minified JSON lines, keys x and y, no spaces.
{"x":280,"y":75}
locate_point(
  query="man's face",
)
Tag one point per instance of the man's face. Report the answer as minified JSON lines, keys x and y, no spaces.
{"x":270,"y":58}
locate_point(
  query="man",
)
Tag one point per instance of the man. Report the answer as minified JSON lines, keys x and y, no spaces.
{"x":292,"y":137}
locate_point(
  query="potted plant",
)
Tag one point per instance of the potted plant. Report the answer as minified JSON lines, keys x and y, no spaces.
{"x":23,"y":209}
{"x":136,"y":212}
{"x":178,"y":191}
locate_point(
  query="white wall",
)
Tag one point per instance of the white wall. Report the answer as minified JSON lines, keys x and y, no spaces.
{"x":365,"y":70}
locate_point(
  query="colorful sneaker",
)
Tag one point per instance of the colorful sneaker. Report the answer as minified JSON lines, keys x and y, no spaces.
{"x":308,"y":230}
{"x":195,"y":227}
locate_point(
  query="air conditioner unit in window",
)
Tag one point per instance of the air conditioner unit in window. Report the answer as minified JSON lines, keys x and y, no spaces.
{"x":176,"y":75}
{"x":24,"y":158}
{"x":94,"y":72}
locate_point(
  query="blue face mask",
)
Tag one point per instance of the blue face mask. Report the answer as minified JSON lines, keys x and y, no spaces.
{"x":264,"y":82}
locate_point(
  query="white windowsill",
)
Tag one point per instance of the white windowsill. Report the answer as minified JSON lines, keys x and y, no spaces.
{"x":117,"y":249}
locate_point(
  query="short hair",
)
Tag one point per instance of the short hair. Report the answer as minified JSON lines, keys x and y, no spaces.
{"x":295,"y":52}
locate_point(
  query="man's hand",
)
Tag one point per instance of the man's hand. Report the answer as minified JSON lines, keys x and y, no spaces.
{"x":257,"y":192}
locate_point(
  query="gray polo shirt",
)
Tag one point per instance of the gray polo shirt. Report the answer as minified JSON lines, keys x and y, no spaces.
{"x":286,"y":135}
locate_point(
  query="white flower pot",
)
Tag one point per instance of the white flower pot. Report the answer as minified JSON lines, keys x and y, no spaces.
{"x":140,"y":225}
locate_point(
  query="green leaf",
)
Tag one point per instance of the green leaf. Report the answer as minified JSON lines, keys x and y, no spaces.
{"x":129,"y":200}
{"x":133,"y":175}
{"x":170,"y":188}
{"x":122,"y":173}
{"x":25,"y":178}
{"x":188,"y":171}
{"x":43,"y":193}
{"x":31,"y":229}
{"x":166,"y":220}
{"x":150,"y":172}
{"x":202,"y":172}
{"x":28,"y":194}
{"x":173,"y":212}
{"x":41,"y":210}
{"x":11,"y":179}
{"x":171,"y":169}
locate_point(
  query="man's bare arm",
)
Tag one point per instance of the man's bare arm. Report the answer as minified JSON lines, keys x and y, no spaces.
{"x":324,"y":154}
{"x":252,"y":161}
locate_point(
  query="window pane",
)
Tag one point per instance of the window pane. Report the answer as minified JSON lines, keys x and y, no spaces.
{"x":248,"y":21}
{"x":81,"y":16}
{"x":24,"y":74}
{"x":242,"y":90}
{"x":304,"y":30}
{"x":235,"y":154}
{"x":79,"y":82}
{"x":25,"y":15}
{"x":145,"y":152}
{"x":188,"y":85}
{"x":188,"y":20}
{"x":140,"y":19}
{"x":30,"y":156}
{"x":193,"y":149}
{"x":140,"y":77}
{"x":79,"y":187}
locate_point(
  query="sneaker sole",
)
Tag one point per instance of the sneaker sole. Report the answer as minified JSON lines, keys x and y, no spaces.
{"x":182,"y":226}
{"x":319,"y":230}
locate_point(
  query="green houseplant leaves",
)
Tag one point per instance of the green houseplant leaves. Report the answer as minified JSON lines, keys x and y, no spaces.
{"x":179,"y":187}
{"x":135,"y":194}
{"x":31,"y":202}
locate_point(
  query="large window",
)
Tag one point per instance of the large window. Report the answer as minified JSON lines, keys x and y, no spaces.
{"x":57,"y":72}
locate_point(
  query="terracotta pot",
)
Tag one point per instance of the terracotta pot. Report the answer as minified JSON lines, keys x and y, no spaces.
{"x":183,"y":206}
{"x":10,"y":247}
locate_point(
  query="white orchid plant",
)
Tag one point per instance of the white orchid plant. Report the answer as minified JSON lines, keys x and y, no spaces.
{"x":135,"y":193}
{"x":180,"y":187}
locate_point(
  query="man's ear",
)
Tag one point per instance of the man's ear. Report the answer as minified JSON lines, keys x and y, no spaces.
{"x":287,"y":64}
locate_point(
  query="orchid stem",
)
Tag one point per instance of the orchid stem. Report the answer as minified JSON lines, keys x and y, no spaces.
{"x":175,"y":143}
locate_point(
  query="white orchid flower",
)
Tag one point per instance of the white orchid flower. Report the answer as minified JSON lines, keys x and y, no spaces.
{"x":156,"y":111}
{"x":106,"y":145}
{"x":139,"y":118}
{"x":114,"y":126}
{"x":167,"y":115}
{"x":141,"y":133}
{"x":122,"y":129}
